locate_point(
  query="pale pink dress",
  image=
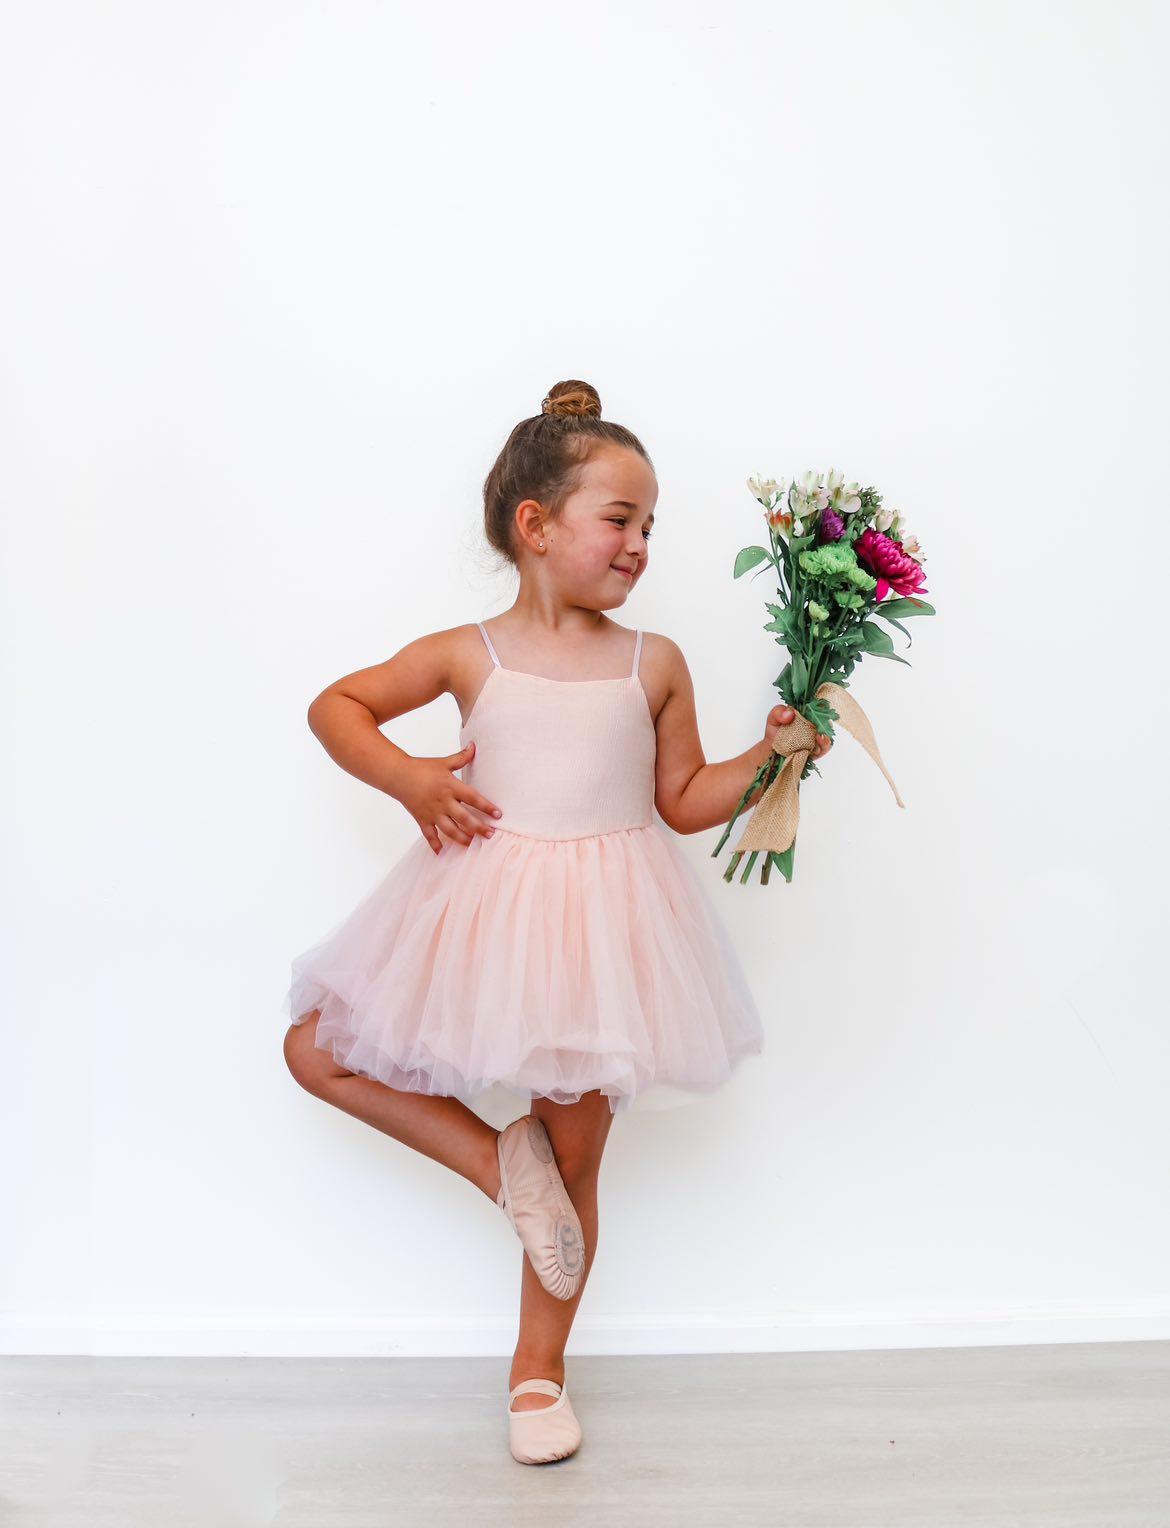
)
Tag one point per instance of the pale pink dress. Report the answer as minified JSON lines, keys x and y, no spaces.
{"x":574,"y":949}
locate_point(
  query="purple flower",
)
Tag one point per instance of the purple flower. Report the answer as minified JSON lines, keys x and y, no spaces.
{"x":831,"y":526}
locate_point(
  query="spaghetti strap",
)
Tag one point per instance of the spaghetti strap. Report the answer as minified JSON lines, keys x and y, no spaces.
{"x":490,"y":648}
{"x":637,"y":655}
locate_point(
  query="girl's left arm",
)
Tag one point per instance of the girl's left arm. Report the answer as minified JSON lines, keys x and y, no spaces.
{"x":689,"y":793}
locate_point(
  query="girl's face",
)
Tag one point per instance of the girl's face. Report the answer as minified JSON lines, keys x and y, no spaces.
{"x":600,"y":545}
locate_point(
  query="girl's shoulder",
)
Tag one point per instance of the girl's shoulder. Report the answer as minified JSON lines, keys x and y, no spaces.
{"x":662,"y":668}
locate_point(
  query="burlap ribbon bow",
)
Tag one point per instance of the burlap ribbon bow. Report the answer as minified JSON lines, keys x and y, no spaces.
{"x":773,"y":823}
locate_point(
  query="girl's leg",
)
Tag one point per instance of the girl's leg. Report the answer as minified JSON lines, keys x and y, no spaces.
{"x":578,"y":1133}
{"x":442,"y":1128}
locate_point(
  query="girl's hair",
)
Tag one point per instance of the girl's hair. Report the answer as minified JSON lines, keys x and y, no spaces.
{"x":543,"y":458}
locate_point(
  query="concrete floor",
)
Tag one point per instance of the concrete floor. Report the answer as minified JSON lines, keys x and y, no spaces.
{"x":1066,"y":1436}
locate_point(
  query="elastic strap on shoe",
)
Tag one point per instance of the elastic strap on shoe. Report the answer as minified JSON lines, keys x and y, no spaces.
{"x":542,"y":1386}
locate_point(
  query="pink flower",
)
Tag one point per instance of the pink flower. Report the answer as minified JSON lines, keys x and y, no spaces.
{"x":889,"y":564}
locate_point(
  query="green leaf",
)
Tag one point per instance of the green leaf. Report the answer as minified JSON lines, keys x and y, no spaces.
{"x":894,"y":656}
{"x":880,"y":610}
{"x":783,"y":861}
{"x":874,"y":639}
{"x":821,"y":714}
{"x":748,"y":558}
{"x":910,"y":605}
{"x":799,"y":673}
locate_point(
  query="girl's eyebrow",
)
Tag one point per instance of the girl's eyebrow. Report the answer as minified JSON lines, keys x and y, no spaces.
{"x":625,"y":504}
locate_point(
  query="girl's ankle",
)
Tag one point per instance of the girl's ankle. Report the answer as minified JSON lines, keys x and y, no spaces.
{"x":524,"y":1367}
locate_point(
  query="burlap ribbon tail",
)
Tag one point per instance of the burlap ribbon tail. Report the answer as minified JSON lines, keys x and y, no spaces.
{"x":773,"y":823}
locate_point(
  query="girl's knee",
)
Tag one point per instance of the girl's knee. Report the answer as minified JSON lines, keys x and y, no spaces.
{"x":307,"y":1064}
{"x":579,"y":1164}
{"x":580,"y":1184}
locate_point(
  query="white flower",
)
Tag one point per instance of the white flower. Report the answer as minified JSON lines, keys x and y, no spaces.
{"x":844,"y":497}
{"x":912,"y":549}
{"x":761,"y":488}
{"x":809,"y":498}
{"x":883,"y":520}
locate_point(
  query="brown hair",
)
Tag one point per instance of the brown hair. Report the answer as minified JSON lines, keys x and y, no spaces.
{"x":543,"y":458}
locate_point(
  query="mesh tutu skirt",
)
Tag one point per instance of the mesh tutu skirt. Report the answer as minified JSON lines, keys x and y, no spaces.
{"x":574,"y":950}
{"x":550,"y":967}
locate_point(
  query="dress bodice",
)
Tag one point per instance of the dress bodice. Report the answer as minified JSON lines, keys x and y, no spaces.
{"x":562,"y":758}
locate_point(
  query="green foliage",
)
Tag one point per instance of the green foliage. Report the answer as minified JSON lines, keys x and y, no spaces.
{"x":749,"y":557}
{"x":782,"y":861}
{"x":907,"y":606}
{"x":874,"y":639}
{"x":821,"y":714}
{"x":785,"y":621}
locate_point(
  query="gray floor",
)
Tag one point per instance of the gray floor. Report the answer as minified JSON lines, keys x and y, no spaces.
{"x":1065,"y":1436}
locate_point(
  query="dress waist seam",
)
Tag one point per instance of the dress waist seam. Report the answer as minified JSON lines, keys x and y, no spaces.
{"x":568,"y":838}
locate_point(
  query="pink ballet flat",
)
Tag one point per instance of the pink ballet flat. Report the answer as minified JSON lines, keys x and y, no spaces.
{"x":545,"y":1433}
{"x":534,"y":1198}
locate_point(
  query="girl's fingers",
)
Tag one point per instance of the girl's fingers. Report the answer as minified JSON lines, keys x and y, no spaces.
{"x":475,"y":798}
{"x":451,"y":829}
{"x":472,"y":823}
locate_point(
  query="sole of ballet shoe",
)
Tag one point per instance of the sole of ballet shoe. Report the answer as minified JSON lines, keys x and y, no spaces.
{"x":547,"y":1433}
{"x":534,"y":1198}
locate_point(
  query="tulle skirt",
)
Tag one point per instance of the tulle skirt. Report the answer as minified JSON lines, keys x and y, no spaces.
{"x":549,"y":967}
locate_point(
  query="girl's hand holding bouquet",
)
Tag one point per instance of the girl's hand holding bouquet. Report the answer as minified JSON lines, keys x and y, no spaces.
{"x":784,"y":716}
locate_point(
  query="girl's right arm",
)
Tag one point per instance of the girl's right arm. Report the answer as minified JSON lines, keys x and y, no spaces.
{"x":346,"y":718}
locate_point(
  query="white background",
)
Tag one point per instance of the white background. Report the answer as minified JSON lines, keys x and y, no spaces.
{"x":277,"y":281}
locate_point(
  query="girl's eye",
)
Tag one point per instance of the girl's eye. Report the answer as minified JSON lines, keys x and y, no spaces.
{"x":621,"y":520}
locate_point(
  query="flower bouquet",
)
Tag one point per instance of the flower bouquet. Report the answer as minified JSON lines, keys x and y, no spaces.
{"x":838,"y":556}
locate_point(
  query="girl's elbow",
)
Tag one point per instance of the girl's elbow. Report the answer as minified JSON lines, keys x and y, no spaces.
{"x":677,"y":821}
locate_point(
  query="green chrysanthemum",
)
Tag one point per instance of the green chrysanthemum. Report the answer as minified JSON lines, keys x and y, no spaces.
{"x":818,"y":612}
{"x":832,"y":561}
{"x":848,"y":600}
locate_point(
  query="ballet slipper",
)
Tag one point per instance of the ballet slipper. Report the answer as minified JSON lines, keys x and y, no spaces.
{"x":534,"y":1198}
{"x":545,"y":1433}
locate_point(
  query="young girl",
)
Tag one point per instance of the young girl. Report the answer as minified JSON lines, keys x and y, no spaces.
{"x":545,"y":932}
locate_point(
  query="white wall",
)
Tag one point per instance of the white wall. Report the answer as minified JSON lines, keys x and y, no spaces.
{"x":278,"y":280}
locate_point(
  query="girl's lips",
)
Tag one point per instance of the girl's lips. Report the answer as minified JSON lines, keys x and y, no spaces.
{"x":623,"y":572}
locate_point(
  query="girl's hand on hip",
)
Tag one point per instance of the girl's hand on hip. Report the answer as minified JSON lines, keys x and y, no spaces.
{"x":440,"y":802}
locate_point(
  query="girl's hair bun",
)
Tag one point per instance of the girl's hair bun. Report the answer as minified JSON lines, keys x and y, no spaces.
{"x":572,"y":400}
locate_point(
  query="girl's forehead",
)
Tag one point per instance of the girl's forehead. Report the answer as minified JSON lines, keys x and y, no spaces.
{"x":626,"y":483}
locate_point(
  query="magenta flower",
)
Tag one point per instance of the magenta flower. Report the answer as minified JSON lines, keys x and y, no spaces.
{"x":891,"y":566}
